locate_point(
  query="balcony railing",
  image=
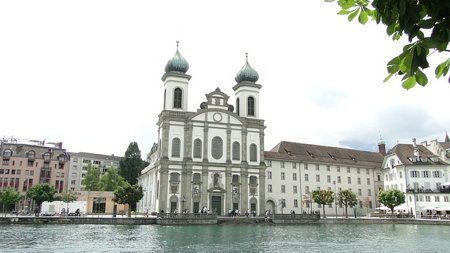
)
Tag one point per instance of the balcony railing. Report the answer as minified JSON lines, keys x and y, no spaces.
{"x":423,"y":190}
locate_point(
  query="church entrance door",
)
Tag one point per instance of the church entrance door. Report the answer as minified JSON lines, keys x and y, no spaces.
{"x":216,"y":204}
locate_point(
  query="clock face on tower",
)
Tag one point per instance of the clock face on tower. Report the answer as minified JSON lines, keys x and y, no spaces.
{"x":217,"y":117}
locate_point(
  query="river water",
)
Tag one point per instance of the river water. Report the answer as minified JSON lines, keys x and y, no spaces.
{"x":225,"y":238}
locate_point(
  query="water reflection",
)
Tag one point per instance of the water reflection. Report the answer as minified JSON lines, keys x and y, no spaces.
{"x":227,"y":238}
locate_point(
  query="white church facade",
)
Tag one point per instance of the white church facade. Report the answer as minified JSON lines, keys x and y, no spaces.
{"x":211,"y":158}
{"x":215,"y":157}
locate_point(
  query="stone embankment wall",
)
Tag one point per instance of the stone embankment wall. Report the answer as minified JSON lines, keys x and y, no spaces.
{"x":76,"y":220}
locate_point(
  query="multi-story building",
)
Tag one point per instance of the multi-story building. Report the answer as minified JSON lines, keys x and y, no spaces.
{"x":441,"y":149}
{"x":294,"y":170}
{"x":80,"y":161}
{"x":27,"y":163}
{"x":212,"y":158}
{"x":421,"y":175}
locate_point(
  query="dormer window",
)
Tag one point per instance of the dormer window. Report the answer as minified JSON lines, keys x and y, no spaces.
{"x":7,"y":153}
{"x":62,"y":159}
{"x":46,"y":157}
{"x":31,"y":155}
{"x":310,"y":154}
{"x":332,"y":156}
{"x":434,"y":159}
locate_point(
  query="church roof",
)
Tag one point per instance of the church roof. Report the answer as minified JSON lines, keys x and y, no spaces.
{"x":247,"y":73}
{"x":303,"y":152}
{"x":177,"y":63}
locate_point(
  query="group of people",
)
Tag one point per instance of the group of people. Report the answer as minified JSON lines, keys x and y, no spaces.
{"x":237,"y":213}
{"x":67,"y":212}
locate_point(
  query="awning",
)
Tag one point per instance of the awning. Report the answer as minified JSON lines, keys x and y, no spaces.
{"x":382,"y":208}
{"x":446,"y":184}
{"x":429,"y":208}
{"x":443,"y":208}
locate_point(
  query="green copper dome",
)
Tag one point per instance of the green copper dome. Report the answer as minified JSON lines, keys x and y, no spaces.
{"x":381,"y":142}
{"x":177,"y":63}
{"x":247,"y":73}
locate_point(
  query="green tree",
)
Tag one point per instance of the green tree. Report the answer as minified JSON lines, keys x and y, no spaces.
{"x":8,"y":197}
{"x":128,"y":194}
{"x":391,"y":198}
{"x":91,"y":181}
{"x":40,"y":193}
{"x":323,"y":197}
{"x":131,"y":164}
{"x":68,"y":197}
{"x":426,"y":24}
{"x":348,"y":199}
{"x":111,"y":180}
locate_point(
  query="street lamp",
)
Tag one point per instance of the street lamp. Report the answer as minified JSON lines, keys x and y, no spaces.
{"x":335,"y":198}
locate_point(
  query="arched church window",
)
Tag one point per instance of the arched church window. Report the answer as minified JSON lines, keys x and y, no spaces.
{"x":217,"y":147}
{"x":236,"y":151}
{"x":177,"y":98}
{"x":251,"y":106}
{"x":176,"y":143}
{"x":237,"y":106}
{"x":197,"y":148}
{"x":253,"y":152}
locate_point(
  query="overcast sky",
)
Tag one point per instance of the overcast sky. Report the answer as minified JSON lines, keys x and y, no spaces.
{"x":88,"y":73}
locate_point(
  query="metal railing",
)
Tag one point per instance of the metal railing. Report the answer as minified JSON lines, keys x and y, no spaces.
{"x":187,"y":216}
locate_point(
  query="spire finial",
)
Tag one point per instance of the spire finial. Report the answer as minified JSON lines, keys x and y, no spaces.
{"x":246,"y":57}
{"x":177,"y":44}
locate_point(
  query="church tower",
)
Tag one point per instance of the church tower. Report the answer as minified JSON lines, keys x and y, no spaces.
{"x":247,"y":91}
{"x":176,"y":83}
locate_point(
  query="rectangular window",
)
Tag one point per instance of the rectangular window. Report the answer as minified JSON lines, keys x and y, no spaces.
{"x":294,"y":189}
{"x":359,"y":192}
{"x":359,"y":180}
{"x":306,"y":166}
{"x":338,"y":168}
{"x":306,"y":177}
{"x":367,"y":171}
{"x":400,"y":174}
{"x":369,"y":192}
{"x":317,"y":178}
{"x":437,"y":199}
{"x":328,"y":179}
{"x":414,"y":173}
{"x":294,"y":176}
{"x":368,"y":181}
{"x":427,"y":198}
{"x":269,"y":174}
{"x":339,"y":179}
{"x":328,"y":167}
{"x":358,"y":170}
{"x":437,"y":173}
{"x":446,"y":199}
{"x":420,"y":198}
{"x":31,"y":172}
{"x":360,"y":204}
{"x":307,"y":204}
{"x":425,"y":173}
{"x":269,"y":188}
{"x":307,"y":189}
{"x":269,"y":163}
{"x":317,"y":167}
{"x":349,"y":180}
{"x":370,"y":204}
{"x":348,"y":169}
{"x":281,"y":164}
{"x":295,"y":203}
{"x":282,"y":175}
{"x":294,"y":165}
{"x":73,"y":182}
{"x":283,"y":188}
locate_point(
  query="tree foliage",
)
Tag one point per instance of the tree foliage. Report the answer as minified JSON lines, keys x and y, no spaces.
{"x":40,"y":193}
{"x":132,"y":164}
{"x":128,"y":194}
{"x":391,"y":198}
{"x":323,"y":197}
{"x":91,"y":180}
{"x":68,"y":197}
{"x":9,"y":196}
{"x":111,"y":180}
{"x":347,"y":198}
{"x":425,"y":23}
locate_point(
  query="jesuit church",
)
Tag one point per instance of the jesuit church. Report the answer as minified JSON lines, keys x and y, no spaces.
{"x":213,"y":157}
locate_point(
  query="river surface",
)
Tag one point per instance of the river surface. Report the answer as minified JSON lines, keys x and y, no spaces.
{"x":225,"y":238}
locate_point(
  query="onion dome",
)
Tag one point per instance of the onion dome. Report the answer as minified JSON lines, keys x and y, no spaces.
{"x":177,"y":63}
{"x":381,"y":142}
{"x":247,"y":73}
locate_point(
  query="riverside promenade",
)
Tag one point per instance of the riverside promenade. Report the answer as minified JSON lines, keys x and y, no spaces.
{"x":197,"y":219}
